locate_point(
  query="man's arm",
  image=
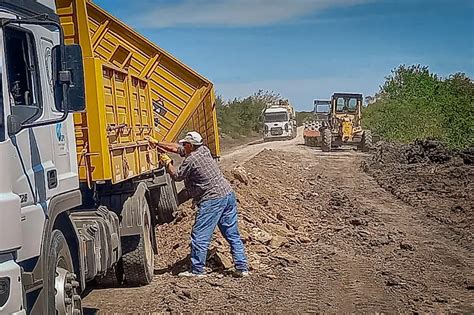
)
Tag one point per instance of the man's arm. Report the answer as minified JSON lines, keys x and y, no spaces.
{"x":169,"y":147}
{"x":165,"y":146}
{"x":181,"y":173}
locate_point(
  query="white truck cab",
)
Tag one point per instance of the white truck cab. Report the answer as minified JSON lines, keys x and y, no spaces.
{"x":279,"y":122}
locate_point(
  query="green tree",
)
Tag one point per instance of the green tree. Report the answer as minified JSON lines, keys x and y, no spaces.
{"x":302,"y":117}
{"x":414,"y":103}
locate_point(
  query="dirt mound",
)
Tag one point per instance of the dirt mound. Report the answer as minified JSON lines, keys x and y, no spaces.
{"x":426,"y":174}
{"x":468,"y":156}
{"x":268,"y":220}
{"x":421,"y":151}
{"x":427,"y":151}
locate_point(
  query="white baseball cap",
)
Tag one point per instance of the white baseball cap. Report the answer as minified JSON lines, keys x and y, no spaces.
{"x":193,"y":138}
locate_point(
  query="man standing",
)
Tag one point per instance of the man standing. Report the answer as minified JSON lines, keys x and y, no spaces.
{"x":214,"y":197}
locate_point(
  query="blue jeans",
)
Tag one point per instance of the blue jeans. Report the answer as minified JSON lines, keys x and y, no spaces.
{"x":223,"y":213}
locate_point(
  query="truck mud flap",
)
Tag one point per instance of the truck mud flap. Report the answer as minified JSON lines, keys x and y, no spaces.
{"x":132,"y":216}
{"x":99,"y":234}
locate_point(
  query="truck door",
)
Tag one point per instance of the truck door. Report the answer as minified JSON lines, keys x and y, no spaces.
{"x":63,"y":177}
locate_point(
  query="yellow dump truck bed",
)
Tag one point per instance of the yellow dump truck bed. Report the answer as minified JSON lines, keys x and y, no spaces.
{"x":133,"y":89}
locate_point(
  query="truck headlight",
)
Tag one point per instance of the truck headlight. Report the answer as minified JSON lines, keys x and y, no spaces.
{"x":286,"y":127}
{"x":4,"y":290}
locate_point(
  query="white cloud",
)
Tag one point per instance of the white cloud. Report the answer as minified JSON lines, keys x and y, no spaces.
{"x":232,"y":12}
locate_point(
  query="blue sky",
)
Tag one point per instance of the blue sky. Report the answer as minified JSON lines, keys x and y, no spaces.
{"x":305,"y":49}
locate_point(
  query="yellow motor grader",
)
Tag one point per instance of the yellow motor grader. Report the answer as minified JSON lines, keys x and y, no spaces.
{"x":344,"y":126}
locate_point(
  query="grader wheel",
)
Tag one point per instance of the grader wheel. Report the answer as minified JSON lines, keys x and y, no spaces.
{"x":326,"y":140}
{"x":366,"y":142}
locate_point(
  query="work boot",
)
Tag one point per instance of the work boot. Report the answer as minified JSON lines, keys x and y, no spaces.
{"x":241,"y":273}
{"x":190,"y":274}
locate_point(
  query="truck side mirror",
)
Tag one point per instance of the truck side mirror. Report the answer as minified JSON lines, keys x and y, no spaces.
{"x":68,"y":72}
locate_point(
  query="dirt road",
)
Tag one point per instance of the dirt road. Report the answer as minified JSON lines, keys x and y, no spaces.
{"x":337,"y":242}
{"x":244,"y":153}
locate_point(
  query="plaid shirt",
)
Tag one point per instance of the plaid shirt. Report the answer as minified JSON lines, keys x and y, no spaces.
{"x":202,"y":177}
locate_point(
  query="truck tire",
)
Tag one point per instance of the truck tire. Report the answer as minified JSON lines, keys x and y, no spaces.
{"x":63,"y":289}
{"x":138,"y":260}
{"x":113,"y":277}
{"x":168,"y":202}
{"x":326,"y":140}
{"x":366,"y":142}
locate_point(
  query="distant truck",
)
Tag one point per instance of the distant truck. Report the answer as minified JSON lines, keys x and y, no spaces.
{"x":81,"y":190}
{"x":279,"y":121}
{"x":320,"y":120}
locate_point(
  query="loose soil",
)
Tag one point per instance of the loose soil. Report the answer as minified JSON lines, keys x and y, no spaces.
{"x":325,"y":232}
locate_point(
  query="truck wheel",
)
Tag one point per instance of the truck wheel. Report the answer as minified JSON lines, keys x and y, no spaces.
{"x":113,"y":278}
{"x":64,"y":298}
{"x":366,"y":142}
{"x":326,"y":140}
{"x":168,"y":203}
{"x":138,"y":262}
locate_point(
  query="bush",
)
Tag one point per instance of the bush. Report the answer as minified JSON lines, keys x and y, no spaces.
{"x":302,"y":117}
{"x":416,"y":104}
{"x":242,"y":117}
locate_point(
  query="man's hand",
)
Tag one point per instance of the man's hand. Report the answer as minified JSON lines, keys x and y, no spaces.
{"x":155,"y":144}
{"x":152,"y":140}
{"x":165,"y":160}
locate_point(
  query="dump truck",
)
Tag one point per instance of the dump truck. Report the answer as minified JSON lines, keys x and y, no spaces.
{"x":312,"y":127}
{"x":81,"y":189}
{"x":345,"y":124}
{"x":279,"y":121}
